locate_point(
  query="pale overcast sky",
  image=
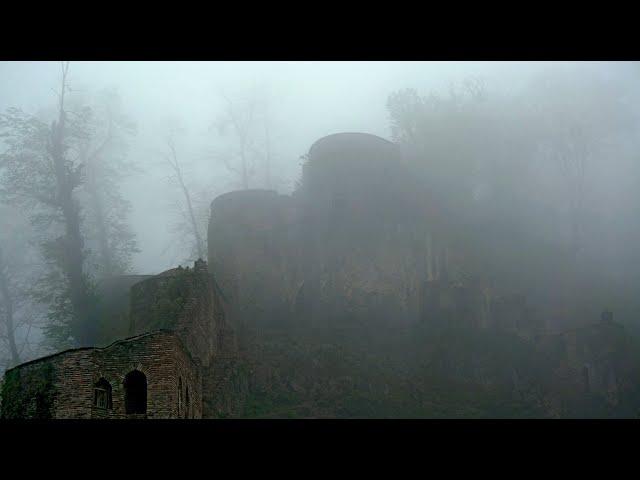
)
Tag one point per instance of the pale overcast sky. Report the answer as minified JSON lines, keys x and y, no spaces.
{"x":309,"y":100}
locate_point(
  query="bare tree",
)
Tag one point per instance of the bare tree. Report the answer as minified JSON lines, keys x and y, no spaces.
{"x":248,"y":122}
{"x":240,"y":118}
{"x":572,"y":154}
{"x":178,"y":178}
{"x":576,"y":114}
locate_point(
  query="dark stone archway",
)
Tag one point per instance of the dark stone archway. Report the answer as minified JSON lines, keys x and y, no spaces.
{"x":135,"y":393}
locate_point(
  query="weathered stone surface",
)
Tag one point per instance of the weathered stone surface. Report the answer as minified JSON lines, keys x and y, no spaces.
{"x":185,"y":301}
{"x":356,"y":251}
{"x":342,"y":299}
{"x":159,"y":355}
{"x":178,"y":334}
{"x":593,"y":359}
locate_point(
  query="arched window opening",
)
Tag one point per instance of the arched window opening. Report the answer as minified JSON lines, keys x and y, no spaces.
{"x":102,"y":394}
{"x":179,"y":395}
{"x":187,"y":404}
{"x":135,"y":392}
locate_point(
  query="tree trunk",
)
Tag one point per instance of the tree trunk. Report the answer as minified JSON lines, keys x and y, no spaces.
{"x":98,"y":208}
{"x":173,"y":161}
{"x":72,"y":243}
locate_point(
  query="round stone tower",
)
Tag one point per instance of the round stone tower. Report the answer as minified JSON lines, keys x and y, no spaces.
{"x":343,"y":248}
{"x":248,"y":245}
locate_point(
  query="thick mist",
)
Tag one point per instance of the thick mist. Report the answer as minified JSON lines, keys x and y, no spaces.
{"x":308,"y":100}
{"x":544,"y":155}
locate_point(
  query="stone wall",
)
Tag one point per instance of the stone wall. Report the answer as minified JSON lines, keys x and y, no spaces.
{"x":593,"y":359}
{"x":344,"y":246}
{"x":73,"y":374}
{"x":183,"y":300}
{"x":180,"y":338}
{"x":355,"y":243}
{"x":252,"y":255}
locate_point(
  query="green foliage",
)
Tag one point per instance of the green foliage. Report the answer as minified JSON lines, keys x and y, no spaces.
{"x":28,"y":392}
{"x":38,"y":174}
{"x":66,"y":174}
{"x":63,"y":328}
{"x":419,"y":373}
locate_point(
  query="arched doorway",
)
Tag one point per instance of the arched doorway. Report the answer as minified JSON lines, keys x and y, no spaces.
{"x":135,"y":392}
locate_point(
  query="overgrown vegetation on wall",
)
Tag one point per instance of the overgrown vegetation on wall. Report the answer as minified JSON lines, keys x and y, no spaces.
{"x":449,"y":373}
{"x":28,"y":392}
{"x":159,"y":302}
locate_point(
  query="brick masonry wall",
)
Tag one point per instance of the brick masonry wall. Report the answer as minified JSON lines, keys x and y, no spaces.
{"x":73,"y":384}
{"x":188,"y":335}
{"x":196,"y":325}
{"x":163,"y":360}
{"x":160,"y":356}
{"x":196,"y":316}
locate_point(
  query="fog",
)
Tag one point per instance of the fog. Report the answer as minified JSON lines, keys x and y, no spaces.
{"x":560,"y":137}
{"x":309,"y":100}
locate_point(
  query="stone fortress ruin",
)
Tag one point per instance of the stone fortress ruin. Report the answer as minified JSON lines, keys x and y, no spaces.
{"x":352,"y":246}
{"x":165,"y":369}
